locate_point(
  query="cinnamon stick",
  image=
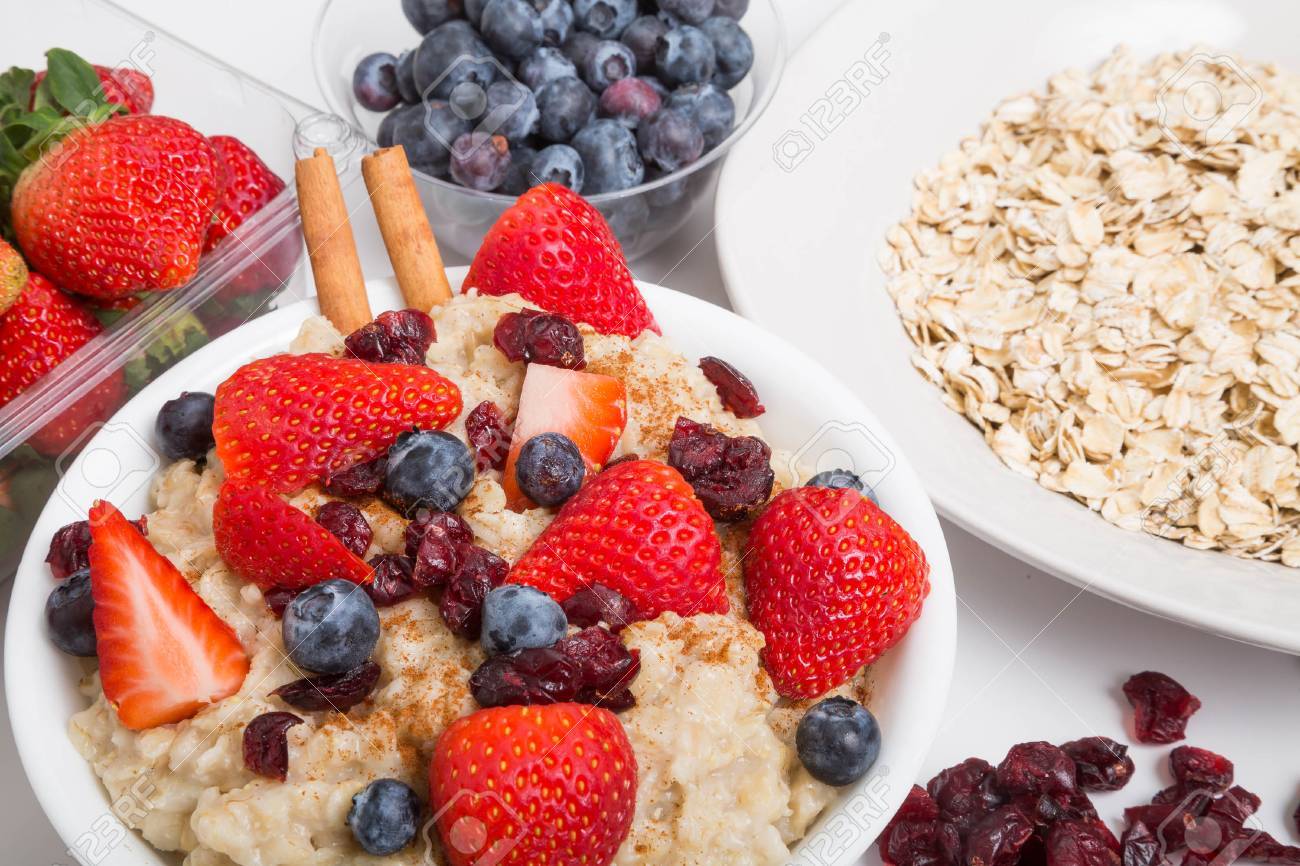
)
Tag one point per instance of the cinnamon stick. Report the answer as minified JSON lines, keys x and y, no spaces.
{"x":340,"y":285}
{"x":417,"y":264}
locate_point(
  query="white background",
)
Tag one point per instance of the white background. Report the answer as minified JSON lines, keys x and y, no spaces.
{"x":1037,"y":659}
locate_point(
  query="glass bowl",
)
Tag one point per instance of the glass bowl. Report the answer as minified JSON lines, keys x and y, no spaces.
{"x":643,"y":217}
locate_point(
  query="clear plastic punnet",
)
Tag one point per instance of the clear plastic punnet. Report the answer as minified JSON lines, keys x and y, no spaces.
{"x":252,"y":271}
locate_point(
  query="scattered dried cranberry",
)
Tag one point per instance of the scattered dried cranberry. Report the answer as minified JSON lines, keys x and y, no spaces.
{"x":1081,"y":843}
{"x":278,"y":599}
{"x":1236,"y":805}
{"x":606,"y":667}
{"x":392,"y":581}
{"x":1162,"y":707}
{"x":911,"y":838}
{"x":598,"y":603}
{"x":965,"y":793}
{"x":732,"y":476}
{"x":1140,"y":847}
{"x":1193,"y":766}
{"x":531,"y":676}
{"x":395,"y":337}
{"x":997,"y":840}
{"x":735,"y":390}
{"x":346,"y":523}
{"x":266,"y":744}
{"x":1260,"y":847}
{"x":451,"y":525}
{"x":540,"y":338}
{"x":338,"y":692}
{"x":361,"y":479}
{"x":434,"y":543}
{"x":489,"y":435}
{"x":1036,"y":768}
{"x":1101,"y":763}
{"x":70,"y":547}
{"x":462,"y":600}
{"x":1170,"y":821}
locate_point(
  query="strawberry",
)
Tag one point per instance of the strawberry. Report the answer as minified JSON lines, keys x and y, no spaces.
{"x":556,"y":250}
{"x":276,"y":546}
{"x":588,"y":408}
{"x":638,"y":529}
{"x":163,"y":653}
{"x":39,"y":332}
{"x":290,"y":420}
{"x":13,"y":276}
{"x":118,"y":207}
{"x":832,"y":582}
{"x":129,"y":88}
{"x":541,"y":786}
{"x":246,"y":186}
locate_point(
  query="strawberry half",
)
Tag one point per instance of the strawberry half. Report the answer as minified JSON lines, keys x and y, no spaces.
{"x":290,"y":420}
{"x":246,"y":186}
{"x":832,"y":582}
{"x":588,"y":408}
{"x":556,"y":250}
{"x":276,"y":546}
{"x":638,"y":529}
{"x":541,"y":786}
{"x":163,"y":653}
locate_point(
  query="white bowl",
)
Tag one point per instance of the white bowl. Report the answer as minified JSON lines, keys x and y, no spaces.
{"x":852,"y":183}
{"x":805,"y":405}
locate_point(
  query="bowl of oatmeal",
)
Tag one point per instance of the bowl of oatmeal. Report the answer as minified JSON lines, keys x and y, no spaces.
{"x":719,"y":778}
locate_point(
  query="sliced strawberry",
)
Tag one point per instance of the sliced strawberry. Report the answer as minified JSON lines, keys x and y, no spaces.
{"x":276,"y":546}
{"x":163,"y":653}
{"x":290,"y":420}
{"x":588,"y":408}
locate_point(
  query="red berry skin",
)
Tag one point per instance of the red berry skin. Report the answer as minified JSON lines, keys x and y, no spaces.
{"x":118,"y":208}
{"x":246,"y":186}
{"x":557,"y":251}
{"x":551,"y":786}
{"x":832,"y":582}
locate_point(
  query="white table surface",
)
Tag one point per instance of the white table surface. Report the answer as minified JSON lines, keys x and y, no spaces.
{"x":1037,"y":659}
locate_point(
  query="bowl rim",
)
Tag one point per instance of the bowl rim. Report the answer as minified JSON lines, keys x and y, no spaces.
{"x":762,"y":99}
{"x":920,"y":667}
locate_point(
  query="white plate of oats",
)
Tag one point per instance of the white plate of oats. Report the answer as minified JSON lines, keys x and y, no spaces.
{"x":1100,"y":259}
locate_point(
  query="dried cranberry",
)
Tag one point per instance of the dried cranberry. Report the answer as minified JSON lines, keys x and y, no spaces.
{"x":395,"y":337}
{"x":434,"y":541}
{"x":462,"y":600}
{"x":338,"y":692}
{"x":606,"y":668}
{"x":950,"y":845}
{"x":531,"y":676}
{"x":1162,"y":707}
{"x":541,"y":338}
{"x":360,"y":479}
{"x":1236,"y":805}
{"x":732,"y":476}
{"x":997,"y":840}
{"x":1036,"y":768}
{"x":598,"y":603}
{"x":489,"y":435}
{"x":911,"y":838}
{"x":1101,"y":763}
{"x":1171,"y":821}
{"x":266,"y":744}
{"x":346,"y":523}
{"x":391,"y":582}
{"x":1081,"y":843}
{"x":1140,"y":847}
{"x":278,"y":599}
{"x":1193,"y":766}
{"x":629,"y":457}
{"x":965,"y":793}
{"x":735,"y":390}
{"x":453,"y":526}
{"x":70,"y":547}
{"x":1263,"y":848}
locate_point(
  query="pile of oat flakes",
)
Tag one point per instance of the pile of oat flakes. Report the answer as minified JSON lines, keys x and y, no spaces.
{"x":1112,"y":294}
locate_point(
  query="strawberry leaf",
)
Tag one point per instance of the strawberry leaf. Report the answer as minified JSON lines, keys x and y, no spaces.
{"x":70,"y":83}
{"x":15,"y":91}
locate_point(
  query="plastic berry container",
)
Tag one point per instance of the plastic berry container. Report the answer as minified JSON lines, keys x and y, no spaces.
{"x":643,"y":216}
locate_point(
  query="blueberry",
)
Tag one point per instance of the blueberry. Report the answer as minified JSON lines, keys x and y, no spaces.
{"x":406,"y":78}
{"x":641,"y":36}
{"x":425,"y":15}
{"x":68,"y":613}
{"x":712,"y":107}
{"x":550,"y":468}
{"x":512,"y":28}
{"x":578,"y":47}
{"x":428,"y":469}
{"x":517,"y":617}
{"x":545,"y":65}
{"x":557,"y":20}
{"x":374,"y":82}
{"x":608,"y":150}
{"x":732,"y":49}
{"x":474,"y":11}
{"x":605,"y":18}
{"x":838,"y":740}
{"x":480,"y":161}
{"x":519,"y":178}
{"x":511,"y":111}
{"x":330,"y":627}
{"x":468,"y":100}
{"x":839,"y":479}
{"x":427,"y":132}
{"x":611,"y":61}
{"x":656,"y":85}
{"x":558,"y":163}
{"x":731,"y":8}
{"x":566,"y":106}
{"x":385,"y":816}
{"x":184,"y":426}
{"x":685,"y":56}
{"x":690,"y":11}
{"x":629,"y":101}
{"x":670,"y":139}
{"x":450,"y":54}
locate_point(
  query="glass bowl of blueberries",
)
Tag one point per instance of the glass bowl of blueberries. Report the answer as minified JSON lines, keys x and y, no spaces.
{"x":633,"y":103}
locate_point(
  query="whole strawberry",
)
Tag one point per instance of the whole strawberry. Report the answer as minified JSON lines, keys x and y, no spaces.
{"x":246,"y":186}
{"x":13,"y":276}
{"x":832,"y":582}
{"x":118,"y":207}
{"x":638,"y":529}
{"x":556,"y":250}
{"x":539,"y":786}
